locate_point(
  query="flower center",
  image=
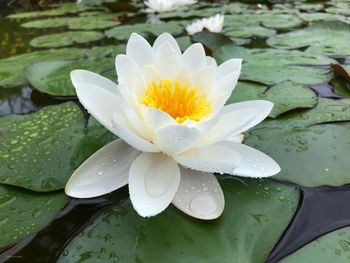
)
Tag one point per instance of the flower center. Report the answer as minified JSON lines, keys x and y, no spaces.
{"x":181,"y":102}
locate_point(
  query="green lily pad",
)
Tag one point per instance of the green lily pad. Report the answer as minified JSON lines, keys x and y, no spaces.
{"x":53,"y":77}
{"x":66,"y":39}
{"x":255,"y":216}
{"x":80,"y":23}
{"x":249,"y":31}
{"x":312,"y":156}
{"x":11,"y":69}
{"x":122,"y":33}
{"x":331,"y":37}
{"x":311,"y":17}
{"x":24,"y":212}
{"x":41,"y":150}
{"x":285,"y":96}
{"x":310,"y":7}
{"x":332,"y":247}
{"x":190,"y":12}
{"x":270,"y":66}
{"x":326,"y":110}
{"x":61,"y":9}
{"x":339,"y":10}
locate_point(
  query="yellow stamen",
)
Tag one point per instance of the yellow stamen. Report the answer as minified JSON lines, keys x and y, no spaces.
{"x":181,"y":102}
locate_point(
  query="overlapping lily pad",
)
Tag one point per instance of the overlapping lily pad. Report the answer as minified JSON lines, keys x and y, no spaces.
{"x":123,"y":32}
{"x":66,"y":39}
{"x":53,"y":77}
{"x":41,"y":150}
{"x":249,"y":31}
{"x":285,"y":96}
{"x":332,"y":247}
{"x":255,"y":216}
{"x":80,"y":23}
{"x":270,"y":66}
{"x":311,"y":156}
{"x":330,"y":37}
{"x":25,"y":212}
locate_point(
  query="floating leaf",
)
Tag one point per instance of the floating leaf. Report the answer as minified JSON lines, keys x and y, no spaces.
{"x":65,"y":39}
{"x":81,"y":23}
{"x":331,"y":37}
{"x":270,"y":66}
{"x":249,"y":31}
{"x":123,"y":32}
{"x":285,"y":96}
{"x":332,"y":247}
{"x":24,"y":212}
{"x":311,"y":17}
{"x":53,"y":77}
{"x":254,"y":218}
{"x":311,"y":156}
{"x":40,"y":151}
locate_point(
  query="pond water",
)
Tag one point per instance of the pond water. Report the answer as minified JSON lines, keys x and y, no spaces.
{"x":296,"y":54}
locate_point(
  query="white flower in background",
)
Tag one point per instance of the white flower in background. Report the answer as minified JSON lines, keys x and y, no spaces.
{"x":213,"y":24}
{"x":175,"y":132}
{"x":160,"y":6}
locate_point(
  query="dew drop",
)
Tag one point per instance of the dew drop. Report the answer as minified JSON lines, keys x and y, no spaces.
{"x":100,"y":173}
{"x":203,"y":205}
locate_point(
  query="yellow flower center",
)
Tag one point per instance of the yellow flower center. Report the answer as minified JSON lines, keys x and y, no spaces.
{"x":181,"y":102}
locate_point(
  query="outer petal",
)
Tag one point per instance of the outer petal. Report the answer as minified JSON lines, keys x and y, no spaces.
{"x":254,"y":163}
{"x":167,"y":61}
{"x":199,"y":195}
{"x":213,"y":158}
{"x":194,"y":58}
{"x":125,"y":131}
{"x":97,"y":94}
{"x":153,"y":182}
{"x":139,"y":50}
{"x":104,"y":171}
{"x":127,"y":69}
{"x":166,"y":37}
{"x":174,"y":139}
{"x":230,"y":122}
{"x":204,"y":78}
{"x":232,"y":66}
{"x":263,"y":108}
{"x":224,"y":87}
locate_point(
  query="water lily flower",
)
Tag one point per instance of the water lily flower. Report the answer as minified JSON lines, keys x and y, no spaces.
{"x":174,"y":130}
{"x":213,"y":24}
{"x":160,"y":6}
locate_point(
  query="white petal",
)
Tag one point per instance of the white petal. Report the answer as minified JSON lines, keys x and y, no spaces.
{"x":204,"y":78}
{"x":174,"y":139}
{"x":232,"y":66}
{"x":230,"y":122}
{"x":263,"y":108}
{"x":124,"y":130}
{"x":199,"y":195}
{"x":153,"y":182}
{"x":97,"y":94}
{"x":166,"y":37}
{"x":254,"y":163}
{"x":236,"y":138}
{"x":210,"y":61}
{"x":127,"y":69}
{"x":224,"y":87}
{"x":167,"y":61}
{"x":151,"y":74}
{"x":157,"y":119}
{"x":105,"y":171}
{"x":214,"y":158}
{"x":139,"y":50}
{"x":194,"y":58}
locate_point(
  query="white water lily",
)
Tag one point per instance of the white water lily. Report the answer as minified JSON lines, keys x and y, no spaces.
{"x":175,"y":132}
{"x":213,"y":24}
{"x":160,"y":6}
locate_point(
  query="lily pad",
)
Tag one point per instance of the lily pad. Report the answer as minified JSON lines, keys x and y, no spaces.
{"x":333,"y":247}
{"x":249,"y":31}
{"x":80,"y":23}
{"x":66,"y":39}
{"x":312,"y":156}
{"x":311,"y":17}
{"x":24,"y":212}
{"x":11,"y":69}
{"x":285,"y":96}
{"x":40,"y":151}
{"x":270,"y":66}
{"x":326,"y":110}
{"x":255,"y":216}
{"x":330,"y":37}
{"x":122,"y":33}
{"x":61,"y":9}
{"x":53,"y":77}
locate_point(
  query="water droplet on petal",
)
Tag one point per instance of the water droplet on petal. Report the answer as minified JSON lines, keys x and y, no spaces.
{"x":203,"y":205}
{"x":100,"y":173}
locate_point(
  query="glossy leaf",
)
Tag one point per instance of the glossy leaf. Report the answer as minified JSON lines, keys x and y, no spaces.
{"x":255,"y":216}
